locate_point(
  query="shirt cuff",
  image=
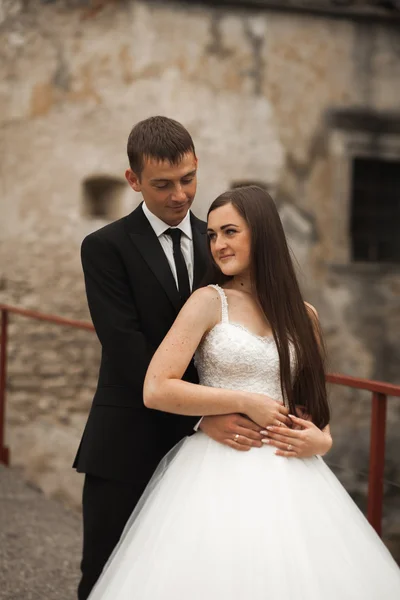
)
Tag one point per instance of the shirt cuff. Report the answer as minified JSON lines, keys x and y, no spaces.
{"x":195,"y":428}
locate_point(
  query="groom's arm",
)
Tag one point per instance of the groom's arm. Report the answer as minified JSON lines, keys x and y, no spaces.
{"x":234,"y":430}
{"x":113,"y":311}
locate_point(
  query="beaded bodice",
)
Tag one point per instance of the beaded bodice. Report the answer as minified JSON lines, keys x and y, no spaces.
{"x":232,"y":357}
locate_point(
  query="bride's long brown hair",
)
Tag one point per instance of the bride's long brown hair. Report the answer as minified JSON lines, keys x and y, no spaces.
{"x":274,"y":279}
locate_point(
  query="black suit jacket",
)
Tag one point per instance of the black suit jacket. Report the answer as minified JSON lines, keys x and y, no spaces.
{"x":133,"y":301}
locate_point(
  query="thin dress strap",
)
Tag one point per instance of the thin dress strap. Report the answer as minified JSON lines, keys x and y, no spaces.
{"x":224,"y":303}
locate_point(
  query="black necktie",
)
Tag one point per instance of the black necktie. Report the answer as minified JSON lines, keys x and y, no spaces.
{"x":180,"y":264}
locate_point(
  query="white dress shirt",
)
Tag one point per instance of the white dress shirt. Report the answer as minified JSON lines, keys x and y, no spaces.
{"x":159,"y":228}
{"x":165,"y":240}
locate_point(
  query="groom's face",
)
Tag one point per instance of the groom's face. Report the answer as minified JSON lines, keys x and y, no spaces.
{"x":168,"y":190}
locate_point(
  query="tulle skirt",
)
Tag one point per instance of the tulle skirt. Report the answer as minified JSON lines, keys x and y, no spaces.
{"x":218,"y":524}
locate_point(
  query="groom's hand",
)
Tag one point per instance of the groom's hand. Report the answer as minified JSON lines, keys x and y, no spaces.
{"x":233,"y":430}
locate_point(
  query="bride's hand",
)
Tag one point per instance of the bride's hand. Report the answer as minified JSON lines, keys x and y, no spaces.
{"x":302,"y":442}
{"x":265,"y":411}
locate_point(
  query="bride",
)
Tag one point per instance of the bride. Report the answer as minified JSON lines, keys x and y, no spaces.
{"x":218,"y":524}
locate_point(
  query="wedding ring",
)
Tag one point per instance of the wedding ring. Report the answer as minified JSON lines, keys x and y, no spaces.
{"x":290,"y":447}
{"x":236,"y":437}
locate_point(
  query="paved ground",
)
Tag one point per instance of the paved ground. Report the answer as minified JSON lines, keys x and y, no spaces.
{"x":40,"y":543}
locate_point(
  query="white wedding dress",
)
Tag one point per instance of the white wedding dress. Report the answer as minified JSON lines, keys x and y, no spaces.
{"x":218,"y":524}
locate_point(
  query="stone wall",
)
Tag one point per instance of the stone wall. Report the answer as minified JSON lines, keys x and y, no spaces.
{"x":254,"y":88}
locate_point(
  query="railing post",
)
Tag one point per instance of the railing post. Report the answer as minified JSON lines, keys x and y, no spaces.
{"x":377,"y":461}
{"x":4,"y":455}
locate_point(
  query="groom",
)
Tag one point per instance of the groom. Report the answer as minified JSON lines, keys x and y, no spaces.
{"x":138,"y":272}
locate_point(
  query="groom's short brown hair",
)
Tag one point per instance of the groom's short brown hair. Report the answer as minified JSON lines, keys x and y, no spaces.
{"x":158,"y":137}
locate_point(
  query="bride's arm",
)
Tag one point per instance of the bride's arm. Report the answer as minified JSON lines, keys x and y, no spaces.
{"x":163,"y":388}
{"x":299,"y":443}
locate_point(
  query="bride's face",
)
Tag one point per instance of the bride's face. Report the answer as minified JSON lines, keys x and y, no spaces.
{"x":230,"y":240}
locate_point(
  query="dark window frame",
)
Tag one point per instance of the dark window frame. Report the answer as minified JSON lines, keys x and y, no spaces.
{"x":375,"y":210}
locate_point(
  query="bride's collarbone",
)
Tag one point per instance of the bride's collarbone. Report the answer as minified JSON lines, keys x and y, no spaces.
{"x":244,"y":310}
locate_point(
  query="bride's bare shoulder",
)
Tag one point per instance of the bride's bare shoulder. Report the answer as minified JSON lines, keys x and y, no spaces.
{"x":205,"y":295}
{"x":202,"y":310}
{"x":205,"y":301}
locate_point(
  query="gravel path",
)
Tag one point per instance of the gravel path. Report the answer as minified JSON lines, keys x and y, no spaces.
{"x":40,"y":543}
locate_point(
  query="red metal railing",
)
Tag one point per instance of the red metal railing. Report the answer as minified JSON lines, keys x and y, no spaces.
{"x":380,"y":391}
{"x":5,"y":309}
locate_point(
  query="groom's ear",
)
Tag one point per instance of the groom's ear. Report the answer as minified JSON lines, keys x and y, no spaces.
{"x":133,"y":180}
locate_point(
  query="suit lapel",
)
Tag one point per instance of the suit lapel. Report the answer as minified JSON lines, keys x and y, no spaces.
{"x":199,"y":250}
{"x":146,"y":242}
